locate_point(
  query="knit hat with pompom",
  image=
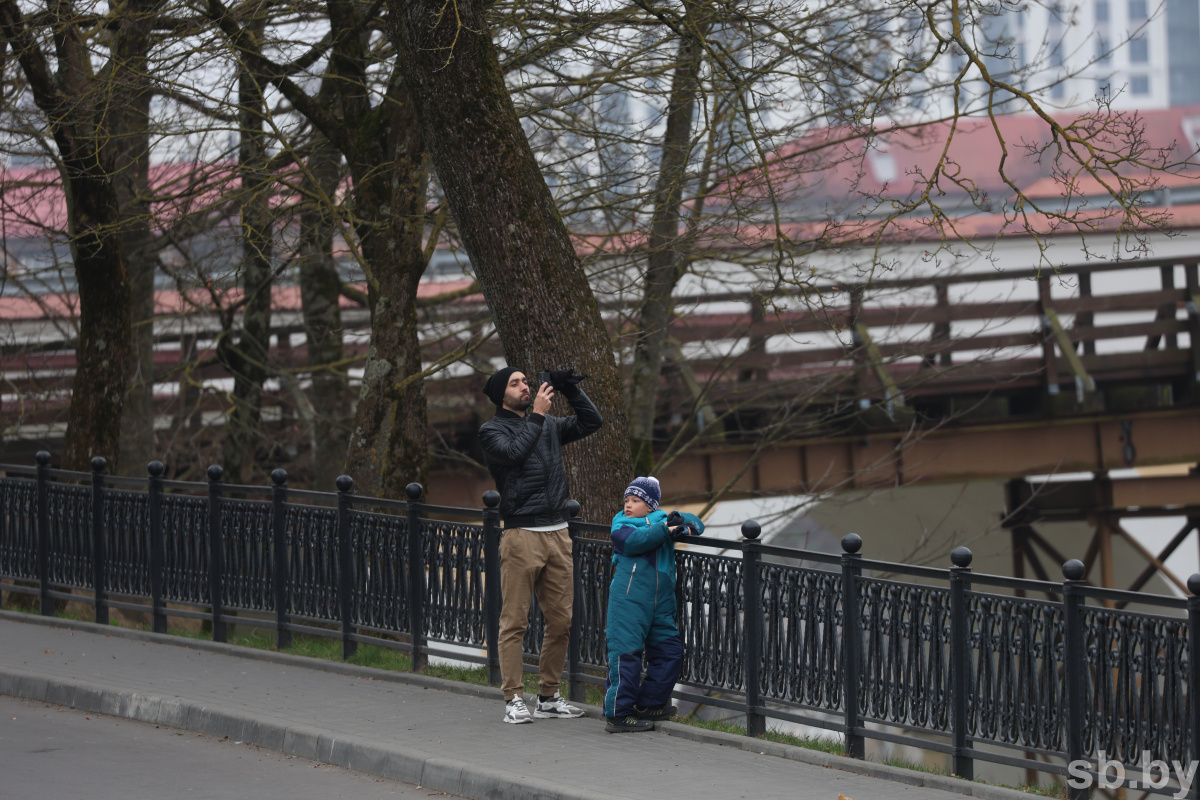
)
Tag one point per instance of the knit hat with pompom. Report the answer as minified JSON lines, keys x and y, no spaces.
{"x":647,"y":490}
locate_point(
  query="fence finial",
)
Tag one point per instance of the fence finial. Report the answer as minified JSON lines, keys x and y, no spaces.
{"x":851,"y":543}
{"x":961,"y":557}
{"x":1073,"y":570}
{"x":215,"y":472}
{"x":156,"y":468}
{"x":344,"y":483}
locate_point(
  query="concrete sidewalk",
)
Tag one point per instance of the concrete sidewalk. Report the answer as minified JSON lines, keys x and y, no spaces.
{"x":442,"y":735}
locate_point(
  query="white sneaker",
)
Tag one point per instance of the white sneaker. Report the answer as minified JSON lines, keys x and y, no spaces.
{"x":516,"y":712}
{"x":556,"y":708}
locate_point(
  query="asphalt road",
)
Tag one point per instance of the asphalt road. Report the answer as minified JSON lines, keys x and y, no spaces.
{"x":54,"y":752}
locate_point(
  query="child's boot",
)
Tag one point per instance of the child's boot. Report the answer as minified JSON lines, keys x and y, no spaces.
{"x":655,"y":713}
{"x":628,"y":724}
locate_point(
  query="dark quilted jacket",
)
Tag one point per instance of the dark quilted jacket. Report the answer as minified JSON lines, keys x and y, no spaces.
{"x":524,"y":455}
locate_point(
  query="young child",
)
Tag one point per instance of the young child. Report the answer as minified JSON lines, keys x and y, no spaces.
{"x":641,"y":610}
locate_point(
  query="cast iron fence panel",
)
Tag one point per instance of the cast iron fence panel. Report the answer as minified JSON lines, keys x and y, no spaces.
{"x":247,"y":535}
{"x":18,"y":528}
{"x":185,"y":549}
{"x":594,"y":559}
{"x":454,"y":563}
{"x":710,"y":619}
{"x":70,"y":534}
{"x":801,"y":636}
{"x":1137,"y":679}
{"x":127,"y":542}
{"x":531,"y":645}
{"x":1013,"y":655}
{"x":905,"y":672}
{"x":1018,"y":695}
{"x":312,"y":565}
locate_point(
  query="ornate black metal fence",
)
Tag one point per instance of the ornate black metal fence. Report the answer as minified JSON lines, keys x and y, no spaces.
{"x":948,"y":660}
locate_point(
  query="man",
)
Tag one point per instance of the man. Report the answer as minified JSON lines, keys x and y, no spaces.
{"x":523,"y":448}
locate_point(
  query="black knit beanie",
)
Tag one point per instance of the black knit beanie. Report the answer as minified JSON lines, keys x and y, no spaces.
{"x":495,"y":386}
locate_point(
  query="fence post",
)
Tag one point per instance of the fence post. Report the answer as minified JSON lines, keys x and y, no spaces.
{"x":279,"y":558}
{"x":158,"y":608}
{"x":756,"y":722}
{"x":416,"y":577}
{"x":960,"y":661}
{"x":216,"y":551}
{"x":99,"y":542}
{"x":1074,"y":666}
{"x":491,"y":583}
{"x":345,"y":500}
{"x":1193,"y":612}
{"x":851,"y":644}
{"x":575,"y":689}
{"x":43,"y":533}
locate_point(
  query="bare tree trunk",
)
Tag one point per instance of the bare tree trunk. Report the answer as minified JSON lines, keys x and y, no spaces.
{"x":102,"y":355}
{"x":389,"y":442}
{"x":70,"y":98}
{"x":320,"y":288}
{"x":247,"y":359}
{"x":389,"y":445}
{"x":129,"y":138}
{"x":666,"y":263}
{"x":519,"y":247}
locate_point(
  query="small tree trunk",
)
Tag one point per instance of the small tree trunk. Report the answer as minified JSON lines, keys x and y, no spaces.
{"x":666,"y":265}
{"x":129,"y":139}
{"x":320,"y":289}
{"x":247,"y":360}
{"x":389,"y":444}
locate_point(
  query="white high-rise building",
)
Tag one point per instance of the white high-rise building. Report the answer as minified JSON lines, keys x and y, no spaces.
{"x":1141,"y":54}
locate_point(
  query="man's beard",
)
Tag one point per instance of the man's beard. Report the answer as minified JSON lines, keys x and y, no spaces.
{"x":523,"y":404}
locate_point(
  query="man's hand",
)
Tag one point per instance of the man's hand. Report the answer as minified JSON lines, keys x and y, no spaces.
{"x":541,"y":403}
{"x":565,"y":379}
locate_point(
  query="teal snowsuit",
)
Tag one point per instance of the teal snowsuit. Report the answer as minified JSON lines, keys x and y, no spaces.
{"x":641,"y":614}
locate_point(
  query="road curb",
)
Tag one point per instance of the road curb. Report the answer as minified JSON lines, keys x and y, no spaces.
{"x":320,"y":665}
{"x":351,"y":752}
{"x":370,"y":753}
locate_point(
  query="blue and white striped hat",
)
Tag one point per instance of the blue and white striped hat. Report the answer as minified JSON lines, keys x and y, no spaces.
{"x":647,"y":490}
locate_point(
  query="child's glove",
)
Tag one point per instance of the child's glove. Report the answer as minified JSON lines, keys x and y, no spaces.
{"x":679,"y":525}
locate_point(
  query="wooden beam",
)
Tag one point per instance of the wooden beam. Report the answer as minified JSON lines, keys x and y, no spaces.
{"x":1033,"y":447}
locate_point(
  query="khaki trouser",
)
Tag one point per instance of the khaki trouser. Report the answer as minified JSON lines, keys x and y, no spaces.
{"x":534,"y":562}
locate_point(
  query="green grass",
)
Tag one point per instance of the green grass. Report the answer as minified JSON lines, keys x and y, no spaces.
{"x":825,"y":744}
{"x":330,"y":649}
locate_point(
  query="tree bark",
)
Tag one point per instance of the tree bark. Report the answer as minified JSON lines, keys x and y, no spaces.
{"x":389,"y":444}
{"x":247,"y":359}
{"x":522,"y":254}
{"x":320,"y":289}
{"x":666,"y":264}
{"x":129,"y":137}
{"x":71,"y":100}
